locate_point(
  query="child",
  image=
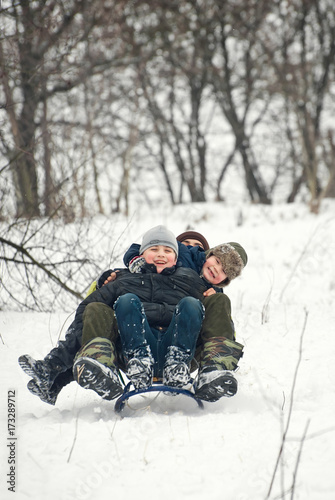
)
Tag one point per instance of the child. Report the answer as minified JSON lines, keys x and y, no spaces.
{"x":193,"y":239}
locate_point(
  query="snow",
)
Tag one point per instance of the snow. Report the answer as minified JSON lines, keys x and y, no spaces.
{"x":167,"y":447}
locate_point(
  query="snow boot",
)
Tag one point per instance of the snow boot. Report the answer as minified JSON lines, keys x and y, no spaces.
{"x":219,"y":358}
{"x":94,"y":368}
{"x":176,"y":372}
{"x":44,"y":372}
{"x":214,"y":383}
{"x":50,"y":395}
{"x":139,"y":367}
{"x":90,"y":374}
{"x":47,"y":396}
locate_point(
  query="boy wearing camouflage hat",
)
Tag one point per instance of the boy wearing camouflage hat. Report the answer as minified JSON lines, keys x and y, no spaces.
{"x":217,"y":351}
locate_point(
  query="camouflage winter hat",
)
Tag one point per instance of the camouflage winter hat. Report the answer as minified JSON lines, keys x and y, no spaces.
{"x":233,"y":258}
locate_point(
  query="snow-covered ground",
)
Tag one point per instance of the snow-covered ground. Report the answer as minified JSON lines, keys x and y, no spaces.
{"x":164,"y":448}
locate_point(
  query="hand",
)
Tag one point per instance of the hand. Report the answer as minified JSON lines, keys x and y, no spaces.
{"x":209,"y":292}
{"x":111,"y":277}
{"x":136,"y":264}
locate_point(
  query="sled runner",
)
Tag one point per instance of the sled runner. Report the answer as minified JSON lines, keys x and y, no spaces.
{"x":156,"y":387}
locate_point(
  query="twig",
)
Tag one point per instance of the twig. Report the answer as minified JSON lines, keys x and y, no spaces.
{"x":112,"y":433}
{"x":320,"y":433}
{"x":74,"y":439}
{"x":302,"y":254}
{"x":284,"y":401}
{"x":63,"y":325}
{"x":24,"y":252}
{"x":265,"y":310}
{"x":119,"y":237}
{"x":298,"y":459}
{"x":290,"y":407}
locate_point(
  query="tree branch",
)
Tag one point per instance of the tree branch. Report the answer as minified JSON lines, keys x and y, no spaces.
{"x":21,"y":249}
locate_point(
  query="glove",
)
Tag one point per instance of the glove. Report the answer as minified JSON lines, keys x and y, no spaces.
{"x":136,"y":264}
{"x":101,"y":280}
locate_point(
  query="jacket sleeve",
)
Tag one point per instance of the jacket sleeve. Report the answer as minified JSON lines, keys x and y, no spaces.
{"x":102,"y":278}
{"x":191,"y":257}
{"x":198,"y":257}
{"x":133,"y":251}
{"x":65,"y":351}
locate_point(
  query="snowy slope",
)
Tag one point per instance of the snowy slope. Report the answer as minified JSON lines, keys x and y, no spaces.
{"x":166,"y":447}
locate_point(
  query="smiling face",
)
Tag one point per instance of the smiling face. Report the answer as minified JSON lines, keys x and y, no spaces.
{"x":161,"y":256}
{"x":213,"y":271}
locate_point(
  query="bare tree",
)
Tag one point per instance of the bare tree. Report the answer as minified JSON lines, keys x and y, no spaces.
{"x":237,"y":77}
{"x":172,"y":74}
{"x":303,"y":58}
{"x":208,"y":56}
{"x":25,"y":54}
{"x":98,"y":96}
{"x":45,"y":52}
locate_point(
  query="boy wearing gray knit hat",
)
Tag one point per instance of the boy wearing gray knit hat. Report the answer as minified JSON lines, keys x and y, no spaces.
{"x":159,"y":235}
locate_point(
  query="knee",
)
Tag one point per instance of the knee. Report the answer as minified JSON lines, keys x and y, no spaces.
{"x":127,"y":301}
{"x":217,"y":300}
{"x":97,"y":308}
{"x":189,"y":305}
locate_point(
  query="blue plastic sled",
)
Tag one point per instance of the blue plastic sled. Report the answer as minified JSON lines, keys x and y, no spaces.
{"x":156,"y":387}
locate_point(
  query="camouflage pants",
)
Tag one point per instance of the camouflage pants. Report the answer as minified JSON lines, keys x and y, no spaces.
{"x":216,"y":343}
{"x":100,"y":349}
{"x":99,"y":323}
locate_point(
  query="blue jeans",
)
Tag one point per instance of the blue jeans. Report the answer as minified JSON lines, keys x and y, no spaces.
{"x":136,"y":333}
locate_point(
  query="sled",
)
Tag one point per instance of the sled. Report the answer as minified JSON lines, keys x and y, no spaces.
{"x":156,"y":387}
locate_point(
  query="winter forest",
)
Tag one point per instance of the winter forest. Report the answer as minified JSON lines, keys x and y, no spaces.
{"x":104,"y":101}
{"x":208,"y":115}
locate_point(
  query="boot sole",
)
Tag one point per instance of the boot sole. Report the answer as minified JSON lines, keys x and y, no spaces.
{"x":91,"y":374}
{"x":224,"y":385}
{"x":27,"y":363}
{"x":44,"y":396}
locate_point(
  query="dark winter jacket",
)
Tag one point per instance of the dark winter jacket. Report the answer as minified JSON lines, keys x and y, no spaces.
{"x":159,"y":293}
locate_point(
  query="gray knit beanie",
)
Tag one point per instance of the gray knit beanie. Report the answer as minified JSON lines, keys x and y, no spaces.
{"x":159,"y":235}
{"x":233,"y":258}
